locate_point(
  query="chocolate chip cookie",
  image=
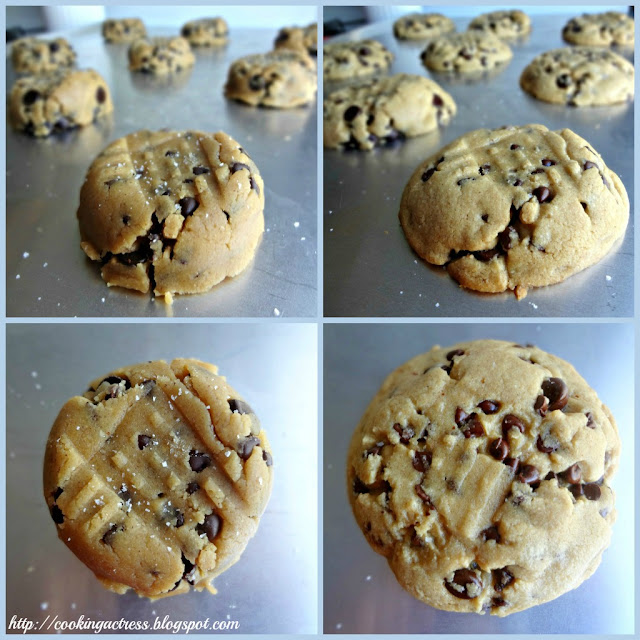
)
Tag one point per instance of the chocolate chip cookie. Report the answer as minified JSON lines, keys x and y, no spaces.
{"x":348,"y":60}
{"x":466,"y":53}
{"x":513,"y":208}
{"x":123,"y":30}
{"x":579,"y":77}
{"x":282,"y":79}
{"x":507,"y":25}
{"x":171,"y":212}
{"x":206,"y":32}
{"x":422,"y":26}
{"x":482,"y":473}
{"x":156,"y":477}
{"x":600,"y":29}
{"x":300,"y":39}
{"x":384,"y":110}
{"x":32,"y":55}
{"x":46,"y":103}
{"x":160,"y":55}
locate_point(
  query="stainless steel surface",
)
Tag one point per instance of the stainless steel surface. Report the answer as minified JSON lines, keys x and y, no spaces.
{"x":369,"y":268}
{"x":273,"y":587}
{"x":44,"y":179}
{"x":360,"y":591}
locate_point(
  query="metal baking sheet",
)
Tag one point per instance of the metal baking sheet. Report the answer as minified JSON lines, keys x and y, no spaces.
{"x":369,"y":268}
{"x":361,"y":594}
{"x":47,"y":272}
{"x":273,"y":588}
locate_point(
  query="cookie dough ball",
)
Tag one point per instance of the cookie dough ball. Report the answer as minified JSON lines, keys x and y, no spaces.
{"x":156,"y":477}
{"x":43,"y":104}
{"x":349,"y":60}
{"x":383,"y":110}
{"x":161,"y":55}
{"x":171,"y":212}
{"x":32,"y":55}
{"x":600,"y":29}
{"x":124,"y":30}
{"x":422,"y":26}
{"x":281,"y":79}
{"x":468,"y":52}
{"x":579,"y":77}
{"x":300,"y":39}
{"x":514,"y":208}
{"x":206,"y":32}
{"x":507,"y":25}
{"x":482,"y":473}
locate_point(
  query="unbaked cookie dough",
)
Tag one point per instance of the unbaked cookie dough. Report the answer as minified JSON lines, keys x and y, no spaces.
{"x":350,"y":60}
{"x":123,"y":30}
{"x":422,"y":26}
{"x":32,"y":55}
{"x":600,"y":29}
{"x":508,"y":25}
{"x":468,"y":52}
{"x":300,"y":39}
{"x":156,"y":477}
{"x":206,"y":32}
{"x":482,"y":472}
{"x":161,"y":55}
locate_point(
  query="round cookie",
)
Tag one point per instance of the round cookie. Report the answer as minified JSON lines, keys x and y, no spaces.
{"x":160,"y":55}
{"x":579,"y":77}
{"x":32,"y":55}
{"x":349,"y":60}
{"x":300,"y":39}
{"x":282,"y":79}
{"x":422,"y":26}
{"x":482,"y":473}
{"x":466,"y":53}
{"x":156,"y":477}
{"x":123,"y":30}
{"x":43,"y":104}
{"x":206,"y":32}
{"x":600,"y":29}
{"x":513,"y":208}
{"x":171,"y":212}
{"x":383,"y":110}
{"x":508,"y":25}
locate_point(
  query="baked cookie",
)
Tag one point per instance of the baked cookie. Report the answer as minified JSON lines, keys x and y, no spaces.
{"x":507,"y":25}
{"x":600,"y":29}
{"x":579,"y":77}
{"x":383,"y":110}
{"x":466,"y":53}
{"x":348,"y":60}
{"x":156,"y":477}
{"x":123,"y":30}
{"x":300,"y":39}
{"x":280,"y":79}
{"x":513,"y":208}
{"x":422,"y":26}
{"x":482,"y":473}
{"x":32,"y":55}
{"x":171,"y":212}
{"x":160,"y":55}
{"x":206,"y":32}
{"x":43,"y":104}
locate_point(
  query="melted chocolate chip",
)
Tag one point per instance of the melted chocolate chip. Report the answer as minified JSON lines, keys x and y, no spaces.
{"x":563,"y":81}
{"x":465,"y":584}
{"x":573,"y":474}
{"x":576,"y":490}
{"x":489,"y":406}
{"x":499,"y":449}
{"x":351,"y":113}
{"x":239,"y":406}
{"x":237,"y":166}
{"x":511,"y":422}
{"x":555,"y":389}
{"x":57,"y":493}
{"x":456,"y":352}
{"x":502,"y":578}
{"x":360,"y":487}
{"x":547,"y":162}
{"x":590,"y":165}
{"x":245,"y":447}
{"x":256,"y":83}
{"x":512,"y":463}
{"x":437,"y":100}
{"x":541,"y":405}
{"x":211,"y":526}
{"x":461,"y":416}
{"x":254,"y":185}
{"x":513,"y":147}
{"x":198,"y":461}
{"x":528,"y":474}
{"x":143,"y":441}
{"x":179,"y":519}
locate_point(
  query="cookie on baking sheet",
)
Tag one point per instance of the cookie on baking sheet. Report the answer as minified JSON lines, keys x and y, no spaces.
{"x":123,"y":30}
{"x":32,"y":55}
{"x":466,"y":53}
{"x":579,"y":77}
{"x":206,"y":32}
{"x":300,"y":39}
{"x":171,"y":212}
{"x":508,"y":25}
{"x":513,"y":208}
{"x":46,"y":103}
{"x":600,"y":29}
{"x":482,"y":473}
{"x":156,"y":476}
{"x":281,"y":79}
{"x":383,"y":110}
{"x":349,"y":60}
{"x":422,"y":26}
{"x":160,"y":55}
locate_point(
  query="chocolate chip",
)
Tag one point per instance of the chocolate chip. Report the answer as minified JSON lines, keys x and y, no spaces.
{"x":504,"y":238}
{"x":499,"y":449}
{"x":485,"y":217}
{"x":198,"y":461}
{"x":364,"y":51}
{"x":188,"y":205}
{"x":421,"y":460}
{"x":589,"y":165}
{"x":456,"y":352}
{"x":576,"y":490}
{"x":437,"y":100}
{"x":171,"y":153}
{"x":56,"y":514}
{"x":541,"y":405}
{"x":517,"y":182}
{"x":424,"y":497}
{"x":491,"y":533}
{"x":543,"y":194}
{"x":461,"y":416}
{"x":513,"y":147}
{"x":179,"y":519}
{"x":57,"y":493}
{"x":591,"y":423}
{"x":198,"y":171}
{"x":107,"y":538}
{"x":555,"y":389}
{"x":268,"y":458}
{"x":405,"y":433}
{"x":143,"y":441}
{"x":550,"y":476}
{"x":237,"y":166}
{"x":543,"y":448}
{"x":512,"y":463}
{"x":473,"y":427}
{"x":463,"y":579}
{"x":211,"y":526}
{"x":563,"y":81}
{"x":511,"y":422}
{"x":360,"y":487}
{"x":498,"y":602}
{"x":572,"y":475}
{"x":245,"y":447}
{"x":256,"y":83}
{"x":528,"y":474}
{"x":239,"y":406}
{"x":502,"y":578}
{"x":30,"y":97}
{"x":254,"y":185}
{"x":489,"y":406}
{"x":53,"y":47}
{"x":427,"y":174}
{"x":192,"y":487}
{"x":101,"y":95}
{"x":351,"y":112}
{"x":375,"y":450}
{"x":591,"y":491}
{"x":485,"y":168}
{"x":548,"y":163}
{"x":486,"y":255}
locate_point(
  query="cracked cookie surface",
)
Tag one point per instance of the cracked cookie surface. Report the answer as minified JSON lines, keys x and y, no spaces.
{"x":206,"y":32}
{"x":600,"y":29}
{"x":513,"y":208}
{"x":160,"y":55}
{"x":466,"y":53}
{"x":348,"y":60}
{"x":422,"y":26}
{"x":33,"y":55}
{"x":123,"y":30}
{"x":482,"y":473}
{"x":171,"y":212}
{"x":157,"y":476}
{"x":300,"y":39}
{"x":508,"y":25}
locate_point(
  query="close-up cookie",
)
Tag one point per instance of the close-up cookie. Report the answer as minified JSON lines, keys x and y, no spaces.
{"x":513,"y":208}
{"x":206,"y":32}
{"x":44,"y":104}
{"x":123,"y":30}
{"x":422,"y":26}
{"x":171,"y":212}
{"x":160,"y":55}
{"x":384,"y":110}
{"x":156,"y":477}
{"x":280,"y":79}
{"x":32,"y":55}
{"x":579,"y":77}
{"x":466,"y":53}
{"x":482,"y":472}
{"x":349,"y":60}
{"x":502,"y":24}
{"x":300,"y":39}
{"x":600,"y":29}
